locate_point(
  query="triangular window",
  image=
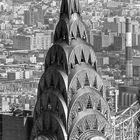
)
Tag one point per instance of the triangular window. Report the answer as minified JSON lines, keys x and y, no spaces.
{"x":89,"y":103}
{"x":86,"y":80}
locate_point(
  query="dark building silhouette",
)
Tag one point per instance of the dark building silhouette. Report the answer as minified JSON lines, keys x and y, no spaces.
{"x":71,"y":102}
{"x":15,"y":127}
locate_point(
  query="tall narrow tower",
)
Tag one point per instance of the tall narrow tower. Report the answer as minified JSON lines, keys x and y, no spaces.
{"x":71,"y":102}
{"x":129,"y":67}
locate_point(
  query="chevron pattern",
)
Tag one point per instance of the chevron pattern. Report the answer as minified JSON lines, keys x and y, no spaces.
{"x":71,"y":101}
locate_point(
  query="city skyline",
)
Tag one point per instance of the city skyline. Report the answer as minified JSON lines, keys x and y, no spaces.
{"x":29,"y":34}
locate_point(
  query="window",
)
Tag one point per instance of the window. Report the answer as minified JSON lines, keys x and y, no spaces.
{"x":136,"y":71}
{"x":89,"y":104}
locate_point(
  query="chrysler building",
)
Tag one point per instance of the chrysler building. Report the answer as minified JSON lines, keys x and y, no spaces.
{"x":71,"y":102}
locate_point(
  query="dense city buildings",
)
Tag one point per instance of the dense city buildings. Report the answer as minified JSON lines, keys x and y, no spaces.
{"x":28,"y":32}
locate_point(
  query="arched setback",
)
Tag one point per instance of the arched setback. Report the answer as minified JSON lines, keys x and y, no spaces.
{"x":92,"y":135}
{"x":42,"y":137}
{"x":54,"y":101}
{"x":54,"y":78}
{"x":80,"y":101}
{"x":77,"y":28}
{"x":97,"y":138}
{"x":37,"y":109}
{"x":61,"y":30}
{"x":89,"y":120}
{"x":82,"y":76}
{"x":50,"y":124}
{"x":81,"y":71}
{"x":82,"y":51}
{"x":67,"y":49}
{"x":58,"y":57}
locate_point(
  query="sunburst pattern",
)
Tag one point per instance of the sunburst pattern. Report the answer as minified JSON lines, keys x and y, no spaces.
{"x":71,"y":103}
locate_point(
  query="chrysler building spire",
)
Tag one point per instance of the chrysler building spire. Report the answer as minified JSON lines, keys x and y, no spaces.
{"x":70,"y":25}
{"x":68,"y":7}
{"x":64,"y":10}
{"x":71,"y":103}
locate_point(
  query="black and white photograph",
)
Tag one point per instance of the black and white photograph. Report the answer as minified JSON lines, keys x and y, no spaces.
{"x":69,"y":69}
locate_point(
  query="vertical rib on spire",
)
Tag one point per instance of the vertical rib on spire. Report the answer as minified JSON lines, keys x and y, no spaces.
{"x":64,"y":10}
{"x":74,"y":6}
{"x":69,"y":7}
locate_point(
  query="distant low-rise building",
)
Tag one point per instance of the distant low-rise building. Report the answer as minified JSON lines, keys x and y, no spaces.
{"x":105,"y":40}
{"x":102,"y":60}
{"x":9,"y":60}
{"x":5,"y":106}
{"x":119,"y":43}
{"x":22,"y":42}
{"x":27,"y":74}
{"x":20,"y":57}
{"x":136,"y":70}
{"x":41,"y":40}
{"x":134,"y":39}
{"x":127,"y":96}
{"x":15,"y":75}
{"x":33,"y":59}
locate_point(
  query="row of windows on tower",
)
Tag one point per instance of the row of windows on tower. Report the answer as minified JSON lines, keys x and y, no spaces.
{"x":89,"y":105}
{"x":83,"y":37}
{"x":80,"y":108}
{"x":82,"y":59}
{"x":55,"y":59}
{"x":86,"y":83}
{"x":86,"y":126}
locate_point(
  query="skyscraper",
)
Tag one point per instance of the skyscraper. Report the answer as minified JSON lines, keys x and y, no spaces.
{"x":27,"y":17}
{"x":129,"y":67}
{"x":71,"y":102}
{"x":33,"y":15}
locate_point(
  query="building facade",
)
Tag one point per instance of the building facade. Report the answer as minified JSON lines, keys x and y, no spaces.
{"x":71,"y":101}
{"x":33,"y":15}
{"x":37,"y":40}
{"x":27,"y":17}
{"x":22,"y":42}
{"x":136,"y":70}
{"x":127,"y":96}
{"x":41,"y":40}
